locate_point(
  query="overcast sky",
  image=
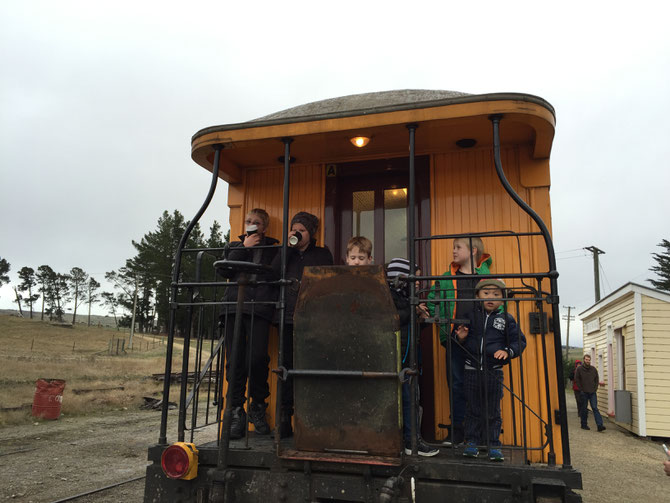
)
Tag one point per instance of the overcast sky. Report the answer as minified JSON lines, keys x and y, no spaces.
{"x":99,"y":100}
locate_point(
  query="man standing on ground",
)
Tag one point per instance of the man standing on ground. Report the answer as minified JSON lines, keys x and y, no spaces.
{"x":586,"y":379}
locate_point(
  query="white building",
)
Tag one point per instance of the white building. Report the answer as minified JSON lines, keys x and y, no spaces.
{"x":627,"y":334}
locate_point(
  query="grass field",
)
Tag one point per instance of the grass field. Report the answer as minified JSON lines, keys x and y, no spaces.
{"x":95,"y":380}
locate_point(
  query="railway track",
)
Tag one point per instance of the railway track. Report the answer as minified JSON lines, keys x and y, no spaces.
{"x":98,"y":490}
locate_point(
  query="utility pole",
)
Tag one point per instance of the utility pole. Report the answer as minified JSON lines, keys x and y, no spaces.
{"x":567,"y":337}
{"x":596,"y":268}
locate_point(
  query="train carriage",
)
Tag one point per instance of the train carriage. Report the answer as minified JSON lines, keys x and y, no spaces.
{"x":411,"y":170}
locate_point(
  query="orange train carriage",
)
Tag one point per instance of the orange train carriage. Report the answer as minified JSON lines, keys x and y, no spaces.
{"x":411,"y":170}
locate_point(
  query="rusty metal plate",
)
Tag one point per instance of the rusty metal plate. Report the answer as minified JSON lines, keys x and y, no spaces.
{"x":345,"y":320}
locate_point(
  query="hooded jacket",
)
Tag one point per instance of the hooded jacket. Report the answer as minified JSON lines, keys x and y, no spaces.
{"x":488,"y":333}
{"x":447,"y":289}
{"x":261,"y":293}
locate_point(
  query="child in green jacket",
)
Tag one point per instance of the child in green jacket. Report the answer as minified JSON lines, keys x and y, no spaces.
{"x":469,"y":259}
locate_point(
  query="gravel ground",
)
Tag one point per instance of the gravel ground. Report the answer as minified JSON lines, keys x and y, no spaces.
{"x":616,"y":465}
{"x":74,"y":455}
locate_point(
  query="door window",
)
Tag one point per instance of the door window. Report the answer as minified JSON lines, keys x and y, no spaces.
{"x":395,"y":223}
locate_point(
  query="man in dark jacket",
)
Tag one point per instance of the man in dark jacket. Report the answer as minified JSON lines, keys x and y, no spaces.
{"x":252,"y":363}
{"x":302,"y":252}
{"x":586,"y":378}
{"x":490,"y":341}
{"x":576,"y":390}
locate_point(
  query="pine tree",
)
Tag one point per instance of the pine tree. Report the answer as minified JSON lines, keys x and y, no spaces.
{"x":91,"y":295}
{"x":28,"y":283}
{"x":662,"y":267}
{"x":43,"y":276}
{"x":110,"y":301}
{"x":4,"y":269}
{"x":155,"y":259}
{"x":60,"y":295}
{"x":77,"y":280}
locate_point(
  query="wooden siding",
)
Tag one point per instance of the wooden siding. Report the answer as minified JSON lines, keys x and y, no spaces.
{"x":619,"y":314}
{"x":466,"y":196}
{"x":656,"y":340}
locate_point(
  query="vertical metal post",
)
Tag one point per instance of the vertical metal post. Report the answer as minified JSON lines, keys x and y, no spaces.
{"x":282,"y":288}
{"x":186,"y":353}
{"x":242,"y":281}
{"x":411,"y":329}
{"x":553,"y":281}
{"x":162,"y":437}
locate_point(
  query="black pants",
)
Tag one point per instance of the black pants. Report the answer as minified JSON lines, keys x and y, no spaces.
{"x":252,"y":359}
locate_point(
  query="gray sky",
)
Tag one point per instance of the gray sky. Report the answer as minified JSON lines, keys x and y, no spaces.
{"x":99,"y":100}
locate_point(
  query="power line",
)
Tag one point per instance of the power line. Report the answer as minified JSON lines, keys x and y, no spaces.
{"x":602,"y":269}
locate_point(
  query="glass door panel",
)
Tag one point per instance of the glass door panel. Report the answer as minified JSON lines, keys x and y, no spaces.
{"x":395,"y":223}
{"x":363,"y":214}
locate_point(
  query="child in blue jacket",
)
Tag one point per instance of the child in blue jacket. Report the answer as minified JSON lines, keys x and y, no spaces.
{"x":490,"y":341}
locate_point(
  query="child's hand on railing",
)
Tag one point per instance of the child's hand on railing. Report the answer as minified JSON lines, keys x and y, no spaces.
{"x":462,"y":332}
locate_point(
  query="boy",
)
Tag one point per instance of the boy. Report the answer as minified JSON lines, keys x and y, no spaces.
{"x":359,"y":251}
{"x":396,"y":269}
{"x":254,"y":342}
{"x":302,"y":252}
{"x":490,"y":341}
{"x":468,"y":260}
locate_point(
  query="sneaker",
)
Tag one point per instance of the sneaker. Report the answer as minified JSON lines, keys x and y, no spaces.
{"x":455,"y":438}
{"x":585,"y":427}
{"x":422,"y":448}
{"x":471,"y":450}
{"x":238,"y":423}
{"x":601,"y":427}
{"x":496,"y":455}
{"x":257,"y":417}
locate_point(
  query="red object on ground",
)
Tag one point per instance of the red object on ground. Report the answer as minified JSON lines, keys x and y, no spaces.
{"x":48,"y":398}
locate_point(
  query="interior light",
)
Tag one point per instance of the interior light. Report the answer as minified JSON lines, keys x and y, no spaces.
{"x":359,"y":141}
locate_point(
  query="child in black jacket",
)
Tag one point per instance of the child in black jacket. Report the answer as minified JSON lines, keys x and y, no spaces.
{"x":491,"y":340}
{"x":302,"y":252}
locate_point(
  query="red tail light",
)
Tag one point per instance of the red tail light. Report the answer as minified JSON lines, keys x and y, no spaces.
{"x":180,"y":461}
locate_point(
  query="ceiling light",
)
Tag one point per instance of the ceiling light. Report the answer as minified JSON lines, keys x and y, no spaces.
{"x":359,"y":141}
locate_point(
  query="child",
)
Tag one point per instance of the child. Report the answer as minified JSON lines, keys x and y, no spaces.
{"x":398,"y":268}
{"x":490,"y":341}
{"x":468,"y":261}
{"x":254,"y":332}
{"x":304,"y":252}
{"x":359,"y":251}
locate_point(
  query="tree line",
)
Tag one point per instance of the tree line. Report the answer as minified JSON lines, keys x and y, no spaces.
{"x":141,"y":287}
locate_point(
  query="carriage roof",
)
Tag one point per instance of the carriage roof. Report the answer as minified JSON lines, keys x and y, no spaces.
{"x":323,"y":128}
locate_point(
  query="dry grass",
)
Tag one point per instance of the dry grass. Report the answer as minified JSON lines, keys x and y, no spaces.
{"x":30,"y":350}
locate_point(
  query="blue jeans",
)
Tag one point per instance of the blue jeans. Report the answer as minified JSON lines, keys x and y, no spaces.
{"x":591,"y":398}
{"x":483,"y":420}
{"x":455,"y":376}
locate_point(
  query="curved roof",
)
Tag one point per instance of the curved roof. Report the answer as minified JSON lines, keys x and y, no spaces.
{"x":364,"y":101}
{"x":373,"y":103}
{"x":322,"y":129}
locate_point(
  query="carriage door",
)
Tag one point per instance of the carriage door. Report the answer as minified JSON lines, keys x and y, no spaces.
{"x":370,"y":199}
